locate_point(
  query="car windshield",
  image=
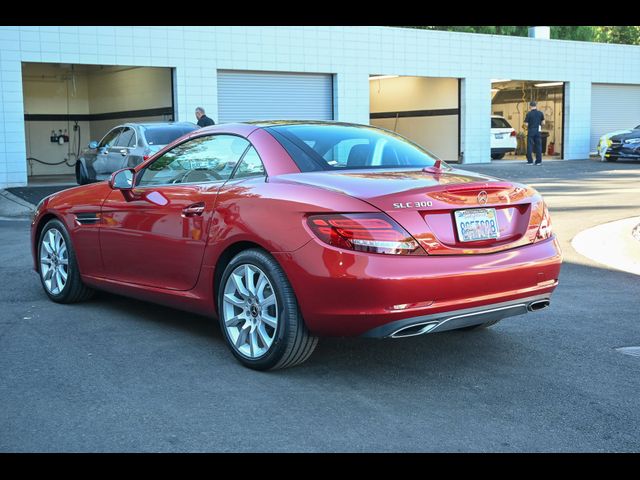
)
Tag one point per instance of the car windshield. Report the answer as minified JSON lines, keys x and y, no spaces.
{"x":163,"y":135}
{"x":316,"y":147}
{"x":497,"y":122}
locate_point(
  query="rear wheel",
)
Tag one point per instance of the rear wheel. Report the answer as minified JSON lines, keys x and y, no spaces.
{"x":610,"y":159}
{"x":497,"y":156}
{"x":58,"y":267}
{"x":259,"y":314}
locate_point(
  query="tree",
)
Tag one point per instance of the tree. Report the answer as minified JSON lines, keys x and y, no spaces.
{"x":604,"y":34}
{"x":618,"y":34}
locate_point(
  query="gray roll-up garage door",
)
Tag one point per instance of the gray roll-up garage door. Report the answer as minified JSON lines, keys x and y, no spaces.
{"x":244,"y":96}
{"x":613,"y":107}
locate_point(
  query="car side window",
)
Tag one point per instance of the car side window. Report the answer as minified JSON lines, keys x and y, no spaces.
{"x":204,"y":159}
{"x":125,"y":137}
{"x":250,"y":166}
{"x":133,"y":143}
{"x":110,"y":138}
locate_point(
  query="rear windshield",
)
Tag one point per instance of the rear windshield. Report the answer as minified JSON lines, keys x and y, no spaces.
{"x":348,"y":147}
{"x":166,"y":134}
{"x":499,"y":123}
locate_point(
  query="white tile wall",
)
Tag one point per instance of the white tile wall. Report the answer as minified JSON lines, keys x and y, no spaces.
{"x":351,"y":53}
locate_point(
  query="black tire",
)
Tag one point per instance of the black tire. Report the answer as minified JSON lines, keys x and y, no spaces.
{"x":81,"y":174}
{"x":74,"y":289}
{"x":497,"y":156}
{"x":292,"y":341}
{"x":610,"y":159}
{"x":482,"y":325}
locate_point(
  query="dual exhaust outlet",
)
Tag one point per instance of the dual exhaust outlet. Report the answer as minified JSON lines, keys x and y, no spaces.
{"x":469,"y":319}
{"x":538,"y":305}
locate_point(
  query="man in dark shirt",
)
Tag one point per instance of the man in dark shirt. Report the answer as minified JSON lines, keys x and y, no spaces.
{"x":534,"y":122}
{"x":203,"y":120}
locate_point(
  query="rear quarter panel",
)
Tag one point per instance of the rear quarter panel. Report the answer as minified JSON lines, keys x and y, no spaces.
{"x":271,"y":214}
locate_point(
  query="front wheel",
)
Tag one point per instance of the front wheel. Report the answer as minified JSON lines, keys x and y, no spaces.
{"x":58,"y":267}
{"x":610,"y":159}
{"x":497,"y":156}
{"x":259,"y":314}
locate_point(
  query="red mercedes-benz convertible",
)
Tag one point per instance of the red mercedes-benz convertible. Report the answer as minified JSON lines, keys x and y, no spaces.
{"x":287,"y":231}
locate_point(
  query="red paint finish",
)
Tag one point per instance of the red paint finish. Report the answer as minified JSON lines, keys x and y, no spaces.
{"x":164,"y":243}
{"x":348,"y":293}
{"x":150,"y":241}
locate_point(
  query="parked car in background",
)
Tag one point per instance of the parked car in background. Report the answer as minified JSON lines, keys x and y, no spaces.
{"x":503,"y":137}
{"x":125,"y":146}
{"x":287,"y":231}
{"x":620,"y":144}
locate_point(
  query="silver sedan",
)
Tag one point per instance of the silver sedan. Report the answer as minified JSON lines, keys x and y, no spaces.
{"x":125,"y":146}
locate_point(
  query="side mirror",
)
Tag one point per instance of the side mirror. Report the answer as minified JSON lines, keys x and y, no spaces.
{"x":93,"y":144}
{"x":122,"y":179}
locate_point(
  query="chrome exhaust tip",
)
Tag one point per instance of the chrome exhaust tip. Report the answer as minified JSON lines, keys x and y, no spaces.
{"x":538,"y":305}
{"x":414,"y":330}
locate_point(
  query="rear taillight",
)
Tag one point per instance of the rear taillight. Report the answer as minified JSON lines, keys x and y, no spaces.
{"x":145,"y":158}
{"x":364,"y":232}
{"x":513,"y":133}
{"x":544,"y":231}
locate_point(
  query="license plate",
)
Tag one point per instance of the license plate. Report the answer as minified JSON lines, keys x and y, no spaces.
{"x":477,"y":224}
{"x":499,"y":137}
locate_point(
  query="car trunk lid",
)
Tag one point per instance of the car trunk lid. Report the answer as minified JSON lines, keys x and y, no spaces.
{"x":424,"y":202}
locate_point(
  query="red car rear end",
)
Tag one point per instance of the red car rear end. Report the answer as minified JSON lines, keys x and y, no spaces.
{"x":354,"y":292}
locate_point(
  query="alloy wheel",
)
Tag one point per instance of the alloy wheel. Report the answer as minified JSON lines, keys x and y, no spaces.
{"x":54,"y":261}
{"x":250,"y":311}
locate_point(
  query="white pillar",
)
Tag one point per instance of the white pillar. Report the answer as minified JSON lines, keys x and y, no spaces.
{"x":475,"y":120}
{"x":577,"y":120}
{"x":351,"y":97}
{"x":13,"y":152}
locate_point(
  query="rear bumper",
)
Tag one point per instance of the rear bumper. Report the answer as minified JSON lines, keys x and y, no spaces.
{"x":343,"y":293}
{"x":441,"y":322}
{"x":502,"y":150}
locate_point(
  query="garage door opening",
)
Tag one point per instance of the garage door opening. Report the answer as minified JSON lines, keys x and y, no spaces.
{"x":425,"y":110}
{"x":67,"y":106}
{"x":509,"y":106}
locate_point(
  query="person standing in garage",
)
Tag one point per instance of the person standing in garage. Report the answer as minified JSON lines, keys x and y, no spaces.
{"x":533,"y":122}
{"x":203,"y":120}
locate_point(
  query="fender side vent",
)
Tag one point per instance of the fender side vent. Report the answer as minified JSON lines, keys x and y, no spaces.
{"x":87,"y":218}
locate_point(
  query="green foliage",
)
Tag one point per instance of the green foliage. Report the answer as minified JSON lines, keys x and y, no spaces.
{"x":620,"y":34}
{"x":604,"y":34}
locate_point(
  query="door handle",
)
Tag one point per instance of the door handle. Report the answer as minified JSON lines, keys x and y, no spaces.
{"x":193,"y":210}
{"x":124,"y":152}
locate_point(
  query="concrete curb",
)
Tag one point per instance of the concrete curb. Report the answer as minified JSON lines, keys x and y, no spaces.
{"x":613,"y":244}
{"x":12,"y":206}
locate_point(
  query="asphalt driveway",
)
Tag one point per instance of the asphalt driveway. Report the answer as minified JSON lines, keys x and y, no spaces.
{"x":116,"y":374}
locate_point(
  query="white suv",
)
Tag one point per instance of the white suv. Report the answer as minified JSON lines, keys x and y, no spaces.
{"x":503,"y":137}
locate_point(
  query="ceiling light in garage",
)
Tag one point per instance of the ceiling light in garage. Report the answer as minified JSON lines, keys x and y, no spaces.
{"x":380,"y":77}
{"x":550,"y":84}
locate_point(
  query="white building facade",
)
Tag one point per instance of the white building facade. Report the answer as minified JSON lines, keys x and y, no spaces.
{"x":350,"y":55}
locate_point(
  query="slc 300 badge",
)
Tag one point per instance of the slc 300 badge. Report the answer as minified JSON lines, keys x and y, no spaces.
{"x":412,"y":205}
